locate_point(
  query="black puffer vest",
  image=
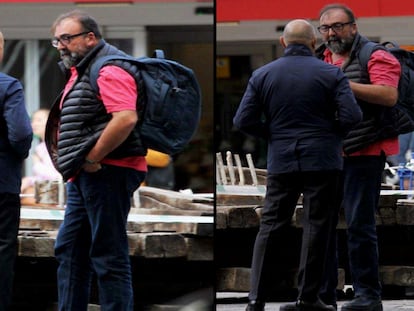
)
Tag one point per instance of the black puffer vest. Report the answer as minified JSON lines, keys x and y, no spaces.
{"x":366,"y":132}
{"x":72,"y":131}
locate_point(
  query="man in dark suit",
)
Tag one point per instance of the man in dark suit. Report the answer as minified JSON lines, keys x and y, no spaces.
{"x":15,"y":141}
{"x":303,"y":107}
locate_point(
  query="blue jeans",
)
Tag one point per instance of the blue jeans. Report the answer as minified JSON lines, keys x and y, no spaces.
{"x":93,"y":237}
{"x":361,"y":196}
{"x":362,"y":186}
{"x":9,"y":227}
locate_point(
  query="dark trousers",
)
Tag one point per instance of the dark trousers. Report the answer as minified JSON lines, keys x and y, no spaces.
{"x":362,"y":187}
{"x":9,"y":227}
{"x":361,"y":195}
{"x":320,"y":204}
{"x":93,"y":237}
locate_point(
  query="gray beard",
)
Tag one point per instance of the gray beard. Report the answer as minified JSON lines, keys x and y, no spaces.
{"x":339,"y":47}
{"x":70,"y":60}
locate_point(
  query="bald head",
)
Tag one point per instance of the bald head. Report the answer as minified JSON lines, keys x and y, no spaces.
{"x":299,"y":31}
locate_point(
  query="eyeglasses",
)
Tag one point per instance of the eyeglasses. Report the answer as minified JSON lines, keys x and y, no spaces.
{"x":65,"y":39}
{"x":337,"y":27}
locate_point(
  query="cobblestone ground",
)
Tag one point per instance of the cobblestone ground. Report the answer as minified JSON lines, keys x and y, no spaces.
{"x":238,"y":303}
{"x":389,"y":305}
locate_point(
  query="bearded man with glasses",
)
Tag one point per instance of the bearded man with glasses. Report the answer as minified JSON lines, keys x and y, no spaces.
{"x":375,"y":88}
{"x":95,"y":145}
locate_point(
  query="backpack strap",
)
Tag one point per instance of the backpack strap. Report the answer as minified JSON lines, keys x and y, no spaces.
{"x":391,"y":44}
{"x":158,"y":54}
{"x":365,"y":53}
{"x":369,"y":47}
{"x":98,"y":64}
{"x":101,"y":61}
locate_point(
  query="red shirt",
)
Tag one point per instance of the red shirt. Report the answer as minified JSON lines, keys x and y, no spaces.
{"x":118,"y":92}
{"x":383,"y":69}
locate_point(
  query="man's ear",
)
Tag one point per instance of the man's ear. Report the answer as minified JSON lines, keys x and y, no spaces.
{"x":91,"y":39}
{"x":313,"y":43}
{"x":282,"y":41}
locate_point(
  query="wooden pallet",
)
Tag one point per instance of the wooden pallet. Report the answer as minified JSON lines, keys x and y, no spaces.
{"x":170,"y":234}
{"x":238,"y":213}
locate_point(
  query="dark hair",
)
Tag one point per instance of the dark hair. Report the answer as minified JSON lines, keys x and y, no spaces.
{"x":340,"y":6}
{"x":88,"y":22}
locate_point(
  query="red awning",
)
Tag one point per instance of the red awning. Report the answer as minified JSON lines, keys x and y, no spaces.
{"x":238,"y":10}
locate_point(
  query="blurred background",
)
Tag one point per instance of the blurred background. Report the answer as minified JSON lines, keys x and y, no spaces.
{"x":247,"y":37}
{"x":184,"y":29}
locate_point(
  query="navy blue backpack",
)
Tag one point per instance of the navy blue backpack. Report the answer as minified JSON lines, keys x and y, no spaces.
{"x":171,"y":104}
{"x":398,"y":119}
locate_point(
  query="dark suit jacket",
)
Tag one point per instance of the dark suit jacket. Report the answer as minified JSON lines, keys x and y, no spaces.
{"x":15,"y":134}
{"x":303,"y":107}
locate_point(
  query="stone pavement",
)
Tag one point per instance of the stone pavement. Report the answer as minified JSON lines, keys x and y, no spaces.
{"x":389,"y":305}
{"x":223,"y":303}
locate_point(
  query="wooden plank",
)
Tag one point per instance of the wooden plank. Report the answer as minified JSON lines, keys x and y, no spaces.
{"x":151,"y":204}
{"x":44,"y":214}
{"x":384,"y":217}
{"x":239,"y":216}
{"x":247,"y":190}
{"x":397,"y":192}
{"x":389,"y":200}
{"x":157,"y":245}
{"x":397,"y":275}
{"x":170,"y":210}
{"x":200,"y":249}
{"x":245,"y":195}
{"x":200,"y":229}
{"x":199,"y":225}
{"x":40,"y":224}
{"x":237,"y":279}
{"x":405,"y":212}
{"x":148,"y":245}
{"x":240,"y":195}
{"x":231,"y":199}
{"x":248,"y":216}
{"x":173,"y":198}
{"x":220,"y":219}
{"x":33,"y":245}
{"x":260,"y":190}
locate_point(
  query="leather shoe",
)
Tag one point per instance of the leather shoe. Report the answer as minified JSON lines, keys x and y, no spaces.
{"x":361,"y":303}
{"x":301,"y":305}
{"x":255,"y":305}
